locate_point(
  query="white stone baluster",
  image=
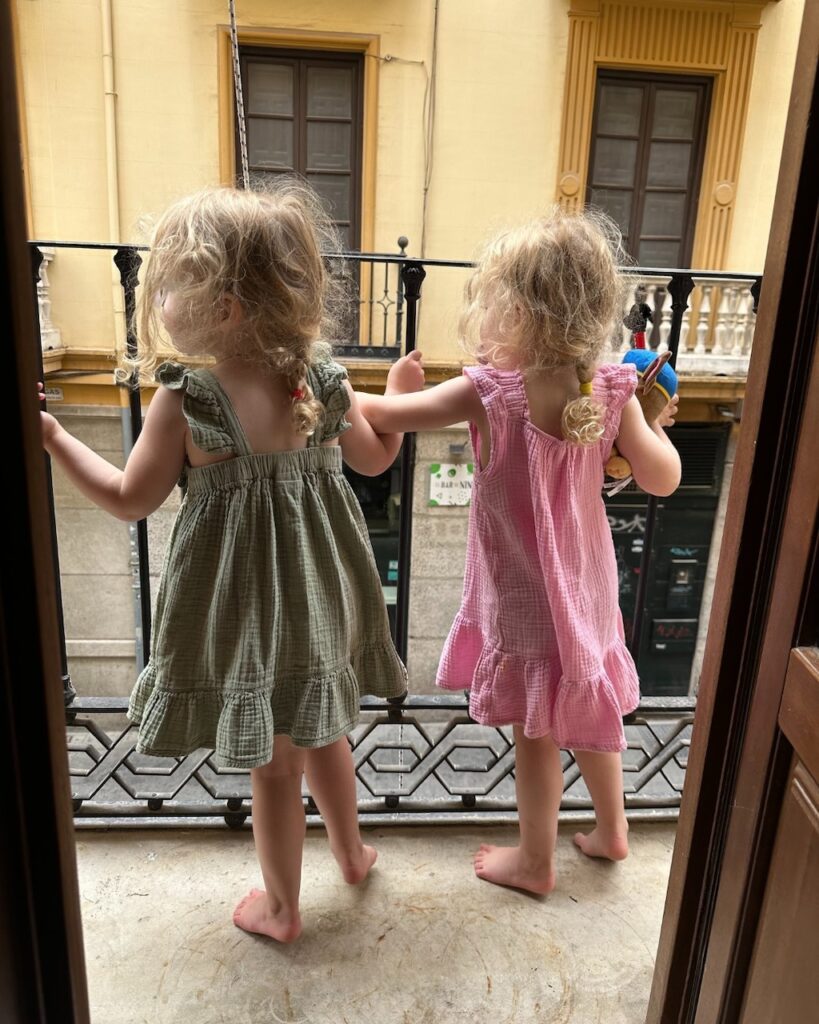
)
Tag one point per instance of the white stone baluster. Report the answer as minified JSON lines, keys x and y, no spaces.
{"x":738,"y":326}
{"x":619,"y":338}
{"x":724,"y":332}
{"x":744,"y":307}
{"x":749,"y":327}
{"x":650,"y":291}
{"x":665,"y":321}
{"x":49,"y":334}
{"x":704,"y":319}
{"x":691,"y":310}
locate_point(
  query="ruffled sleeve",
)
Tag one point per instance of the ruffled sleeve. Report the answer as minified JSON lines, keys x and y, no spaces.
{"x":327,"y":381}
{"x":503,"y":399}
{"x":614,"y":384}
{"x":201,"y":407}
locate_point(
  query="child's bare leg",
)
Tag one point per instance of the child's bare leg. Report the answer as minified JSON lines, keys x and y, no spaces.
{"x":278,"y":830}
{"x":331,"y":779}
{"x":539,"y":788}
{"x":603,"y":774}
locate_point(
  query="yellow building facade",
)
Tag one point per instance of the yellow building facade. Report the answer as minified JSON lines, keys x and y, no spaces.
{"x":474,"y":114}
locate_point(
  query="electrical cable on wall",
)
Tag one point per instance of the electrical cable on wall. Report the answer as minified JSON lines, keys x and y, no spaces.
{"x":237,"y":87}
{"x":429,"y":128}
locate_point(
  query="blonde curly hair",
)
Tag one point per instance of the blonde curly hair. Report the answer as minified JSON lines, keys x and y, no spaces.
{"x":554,"y":292}
{"x":263,"y":248}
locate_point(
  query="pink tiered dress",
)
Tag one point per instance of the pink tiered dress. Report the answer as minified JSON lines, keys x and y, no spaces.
{"x":538,"y":640}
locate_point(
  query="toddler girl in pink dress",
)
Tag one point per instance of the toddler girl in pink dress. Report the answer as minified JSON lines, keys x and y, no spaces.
{"x":538,"y":640}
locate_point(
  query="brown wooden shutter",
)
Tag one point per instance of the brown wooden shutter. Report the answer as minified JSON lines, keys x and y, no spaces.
{"x":645,"y":165}
{"x":303,"y":112}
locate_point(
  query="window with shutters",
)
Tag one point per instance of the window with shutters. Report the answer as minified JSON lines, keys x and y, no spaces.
{"x":303,"y":112}
{"x":645,"y":165}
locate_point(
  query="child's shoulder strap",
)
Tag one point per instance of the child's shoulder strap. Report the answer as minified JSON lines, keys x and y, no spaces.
{"x":327,"y":382}
{"x":614,"y":384}
{"x":202,"y":406}
{"x":501,"y":391}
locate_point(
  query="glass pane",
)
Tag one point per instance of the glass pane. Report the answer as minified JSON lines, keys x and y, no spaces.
{"x":334,"y":189}
{"x":270,"y":143}
{"x":329,"y":92}
{"x":614,"y":162}
{"x":663,"y":213}
{"x":619,"y":110}
{"x":328,"y":145}
{"x":674,"y":114}
{"x":616,"y":204}
{"x":668,"y":163}
{"x":269,"y":89}
{"x":659,"y":254}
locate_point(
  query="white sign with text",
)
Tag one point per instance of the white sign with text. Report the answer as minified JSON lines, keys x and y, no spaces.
{"x":450,"y":483}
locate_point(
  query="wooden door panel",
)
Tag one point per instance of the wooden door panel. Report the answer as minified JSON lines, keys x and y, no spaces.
{"x":784,"y":979}
{"x":799,"y":711}
{"x":645,"y":162}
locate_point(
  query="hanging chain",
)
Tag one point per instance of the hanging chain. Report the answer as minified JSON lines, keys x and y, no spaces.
{"x":240,"y":103}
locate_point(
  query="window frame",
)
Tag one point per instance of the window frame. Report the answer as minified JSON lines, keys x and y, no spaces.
{"x":649,"y":81}
{"x":300,"y":59}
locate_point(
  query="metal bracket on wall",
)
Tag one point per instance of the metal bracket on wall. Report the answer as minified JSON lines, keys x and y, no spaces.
{"x":731,"y":412}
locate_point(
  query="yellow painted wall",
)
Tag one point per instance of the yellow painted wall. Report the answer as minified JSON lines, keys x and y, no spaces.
{"x":495,"y":145}
{"x":764,"y":132}
{"x":498,"y":106}
{"x":60,"y":50}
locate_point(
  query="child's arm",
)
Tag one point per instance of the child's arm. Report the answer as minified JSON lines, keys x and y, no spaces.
{"x":364,"y":449}
{"x":453,"y":401}
{"x":655,"y":463}
{"x":152,"y":469}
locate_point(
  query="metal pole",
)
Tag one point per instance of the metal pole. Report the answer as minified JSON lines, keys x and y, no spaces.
{"x":679,"y":289}
{"x":412,"y":276}
{"x":69,"y":693}
{"x":403,"y":242}
{"x":128,"y":262}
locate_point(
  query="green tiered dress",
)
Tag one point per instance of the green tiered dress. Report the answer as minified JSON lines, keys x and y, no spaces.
{"x":270,"y":617}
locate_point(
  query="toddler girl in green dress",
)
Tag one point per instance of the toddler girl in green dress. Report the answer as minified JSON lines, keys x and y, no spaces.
{"x":270,"y":619}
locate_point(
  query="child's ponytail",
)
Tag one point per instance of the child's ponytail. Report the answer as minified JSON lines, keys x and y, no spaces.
{"x":582,"y":421}
{"x":307,"y":410}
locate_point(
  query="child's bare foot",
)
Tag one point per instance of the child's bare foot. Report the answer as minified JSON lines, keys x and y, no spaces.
{"x":611,"y":846}
{"x":253,"y":914}
{"x":355,"y":866}
{"x":504,"y":865}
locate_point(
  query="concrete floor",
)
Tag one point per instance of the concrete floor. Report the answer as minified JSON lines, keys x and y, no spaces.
{"x":422,"y":941}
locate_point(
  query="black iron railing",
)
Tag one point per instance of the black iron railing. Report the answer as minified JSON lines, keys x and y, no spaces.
{"x":446,"y":780}
{"x":423,"y":761}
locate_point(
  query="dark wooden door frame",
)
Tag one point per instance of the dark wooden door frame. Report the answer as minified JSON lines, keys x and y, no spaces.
{"x":764,"y":602}
{"x":42,"y":978}
{"x":42,"y":967}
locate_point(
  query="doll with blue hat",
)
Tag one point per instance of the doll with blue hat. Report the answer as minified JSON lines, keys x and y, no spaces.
{"x":656,"y":386}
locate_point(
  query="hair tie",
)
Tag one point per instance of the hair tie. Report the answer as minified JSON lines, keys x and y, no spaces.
{"x":297,"y":394}
{"x":586,"y":387}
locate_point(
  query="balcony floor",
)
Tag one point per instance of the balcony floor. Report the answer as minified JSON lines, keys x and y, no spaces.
{"x":422,"y":942}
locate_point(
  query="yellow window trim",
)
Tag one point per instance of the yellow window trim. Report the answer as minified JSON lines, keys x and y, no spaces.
{"x":698,"y":37}
{"x":369,"y":45}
